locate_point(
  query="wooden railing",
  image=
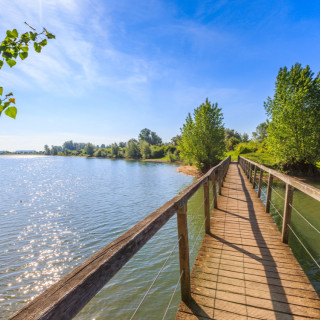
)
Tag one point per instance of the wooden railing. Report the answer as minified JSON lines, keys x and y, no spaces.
{"x":64,"y":299}
{"x":250,"y":168}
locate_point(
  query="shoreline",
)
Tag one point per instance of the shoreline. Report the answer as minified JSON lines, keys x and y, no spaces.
{"x":190,"y":171}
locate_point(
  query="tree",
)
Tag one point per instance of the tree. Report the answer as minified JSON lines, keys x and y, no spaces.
{"x":231,"y":143}
{"x":46,"y":150}
{"x":13,"y":46}
{"x":245,"y":137}
{"x":202,"y":137}
{"x":89,"y":149}
{"x":132,"y":149}
{"x":175,"y":140}
{"x":261,"y":132}
{"x":294,"y":119}
{"x":149,"y":136}
{"x":229,"y":133}
{"x":145,"y":135}
{"x":145,"y":149}
{"x":115,"y":150}
{"x":155,"y":139}
{"x":54,"y":150}
{"x":69,"y":145}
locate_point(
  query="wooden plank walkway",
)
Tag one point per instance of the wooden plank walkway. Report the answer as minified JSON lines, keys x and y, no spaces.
{"x":243,"y":270}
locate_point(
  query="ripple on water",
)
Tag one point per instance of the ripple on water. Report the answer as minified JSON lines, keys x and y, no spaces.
{"x":55,"y":212}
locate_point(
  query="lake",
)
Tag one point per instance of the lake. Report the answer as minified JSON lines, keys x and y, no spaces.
{"x":55,"y":212}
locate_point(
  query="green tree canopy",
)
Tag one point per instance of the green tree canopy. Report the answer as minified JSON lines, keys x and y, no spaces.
{"x":261,"y":132}
{"x":231,"y":143}
{"x":12,"y":47}
{"x":245,"y":137}
{"x":115,"y":150}
{"x":229,"y":133}
{"x":89,"y":149}
{"x":202,"y":137}
{"x":149,"y":136}
{"x":294,"y":117}
{"x":145,"y":149}
{"x":132,"y":149}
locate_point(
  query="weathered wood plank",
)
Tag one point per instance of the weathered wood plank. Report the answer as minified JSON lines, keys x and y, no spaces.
{"x":243,"y":270}
{"x":184,"y":253}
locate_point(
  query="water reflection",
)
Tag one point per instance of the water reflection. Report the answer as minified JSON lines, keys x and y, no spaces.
{"x":55,"y":212}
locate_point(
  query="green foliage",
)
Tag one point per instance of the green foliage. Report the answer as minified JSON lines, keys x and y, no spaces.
{"x":229,"y":133}
{"x":157,"y":152}
{"x":247,"y":147}
{"x":132,"y":149}
{"x":294,"y":117}
{"x":261,"y":132}
{"x":46,"y":150}
{"x":231,"y":143}
{"x":149,"y":136}
{"x":245,"y":137}
{"x":13,"y":47}
{"x":89,"y":149}
{"x":100,"y":153}
{"x":145,"y":149}
{"x":202,"y":137}
{"x":115,"y":150}
{"x":54,"y":150}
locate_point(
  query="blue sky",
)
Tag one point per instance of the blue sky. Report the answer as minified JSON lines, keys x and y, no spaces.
{"x":117,"y":67}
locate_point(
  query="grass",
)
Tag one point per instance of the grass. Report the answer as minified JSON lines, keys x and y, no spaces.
{"x":263,"y":158}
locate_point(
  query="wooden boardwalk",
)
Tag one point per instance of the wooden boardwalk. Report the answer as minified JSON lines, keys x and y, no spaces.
{"x":243,"y":270}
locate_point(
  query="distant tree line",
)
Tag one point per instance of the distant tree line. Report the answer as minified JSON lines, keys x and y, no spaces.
{"x":148,"y":146}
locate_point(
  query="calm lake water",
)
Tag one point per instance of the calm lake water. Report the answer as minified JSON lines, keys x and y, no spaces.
{"x":55,"y":212}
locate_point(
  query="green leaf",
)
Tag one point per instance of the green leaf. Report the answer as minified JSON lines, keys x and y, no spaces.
{"x":23,"y":55}
{"x":7,"y":55}
{"x":1,"y":64}
{"x":37,"y":48}
{"x":10,"y":62}
{"x":14,"y":32}
{"x":11,"y":112}
{"x":51,"y":36}
{"x":9,"y":34}
{"x":6,"y":105}
{"x":43,"y":42}
{"x":32,"y":35}
{"x":1,"y":91}
{"x":25,"y":49}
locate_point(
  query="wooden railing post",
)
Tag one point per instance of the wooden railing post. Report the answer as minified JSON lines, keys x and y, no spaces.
{"x":254,"y":176}
{"x":250,"y":172}
{"x":184,"y":253}
{"x":287,"y":213}
{"x":214,"y":190}
{"x":220,"y":181}
{"x":206,"y":206}
{"x":269,"y":191}
{"x":260,"y":183}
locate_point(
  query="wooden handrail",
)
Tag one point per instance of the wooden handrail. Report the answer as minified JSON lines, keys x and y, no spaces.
{"x":291,"y":184}
{"x":65,"y":298}
{"x":304,"y":187}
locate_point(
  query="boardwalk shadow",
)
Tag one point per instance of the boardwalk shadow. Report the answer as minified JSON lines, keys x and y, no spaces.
{"x":266,"y":256}
{"x":196,"y":309}
{"x":272,"y":277}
